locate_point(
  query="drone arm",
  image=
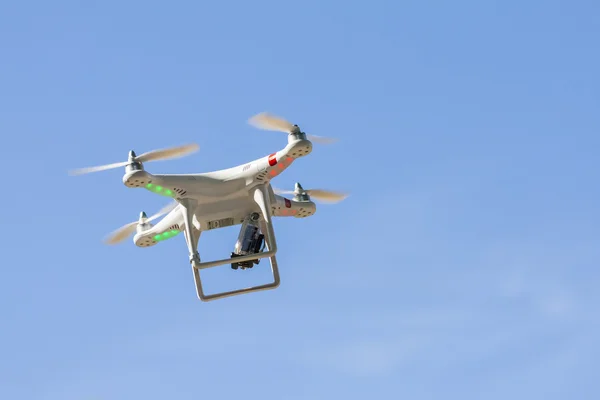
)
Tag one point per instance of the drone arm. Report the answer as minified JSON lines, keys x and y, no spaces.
{"x":192,"y":235}
{"x":195,"y":238}
{"x":262,"y":199}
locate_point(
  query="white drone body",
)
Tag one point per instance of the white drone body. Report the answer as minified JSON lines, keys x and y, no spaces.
{"x":241,"y":195}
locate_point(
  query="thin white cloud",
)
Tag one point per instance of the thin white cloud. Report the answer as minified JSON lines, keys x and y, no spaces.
{"x":364,"y":357}
{"x":492,"y":310}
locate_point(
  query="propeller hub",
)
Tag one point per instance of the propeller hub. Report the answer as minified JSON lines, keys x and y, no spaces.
{"x":296,"y":134}
{"x":143,"y":223}
{"x":299,"y":193}
{"x":133,"y":163}
{"x":143,"y":220}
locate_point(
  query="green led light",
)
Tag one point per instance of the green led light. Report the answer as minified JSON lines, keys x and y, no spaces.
{"x":166,"y":235}
{"x":160,"y":190}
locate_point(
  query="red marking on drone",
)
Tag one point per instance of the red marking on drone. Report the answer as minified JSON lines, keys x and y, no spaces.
{"x":272,"y":159}
{"x":288,"y":203}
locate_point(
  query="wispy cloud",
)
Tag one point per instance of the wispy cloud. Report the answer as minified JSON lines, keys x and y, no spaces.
{"x":363,"y":357}
{"x":468,"y":320}
{"x":491,"y":309}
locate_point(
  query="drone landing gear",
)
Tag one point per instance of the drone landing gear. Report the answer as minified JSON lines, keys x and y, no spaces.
{"x":261,"y":197}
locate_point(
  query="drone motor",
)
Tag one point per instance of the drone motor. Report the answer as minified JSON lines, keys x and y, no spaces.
{"x":143,"y":223}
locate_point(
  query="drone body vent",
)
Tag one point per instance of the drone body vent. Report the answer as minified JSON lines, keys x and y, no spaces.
{"x":180,"y":191}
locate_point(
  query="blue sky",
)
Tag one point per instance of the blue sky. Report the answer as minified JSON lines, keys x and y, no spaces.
{"x":463,"y":266}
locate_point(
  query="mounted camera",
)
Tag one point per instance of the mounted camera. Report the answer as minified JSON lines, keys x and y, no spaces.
{"x":250,"y":241}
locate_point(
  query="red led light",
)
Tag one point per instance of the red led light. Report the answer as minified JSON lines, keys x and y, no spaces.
{"x":272,"y":159}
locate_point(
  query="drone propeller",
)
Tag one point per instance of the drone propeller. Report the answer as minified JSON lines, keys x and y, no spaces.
{"x":272,"y":122}
{"x":125,"y":231}
{"x":154,"y":155}
{"x":318,"y":194}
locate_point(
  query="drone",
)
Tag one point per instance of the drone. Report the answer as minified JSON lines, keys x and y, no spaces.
{"x":241,"y":195}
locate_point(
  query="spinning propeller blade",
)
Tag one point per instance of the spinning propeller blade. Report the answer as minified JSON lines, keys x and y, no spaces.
{"x":272,"y":122}
{"x":88,"y":170}
{"x":154,"y":155}
{"x":168,"y":153}
{"x":121,"y":234}
{"x":318,"y":194}
{"x":327,"y":195}
{"x":125,"y":231}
